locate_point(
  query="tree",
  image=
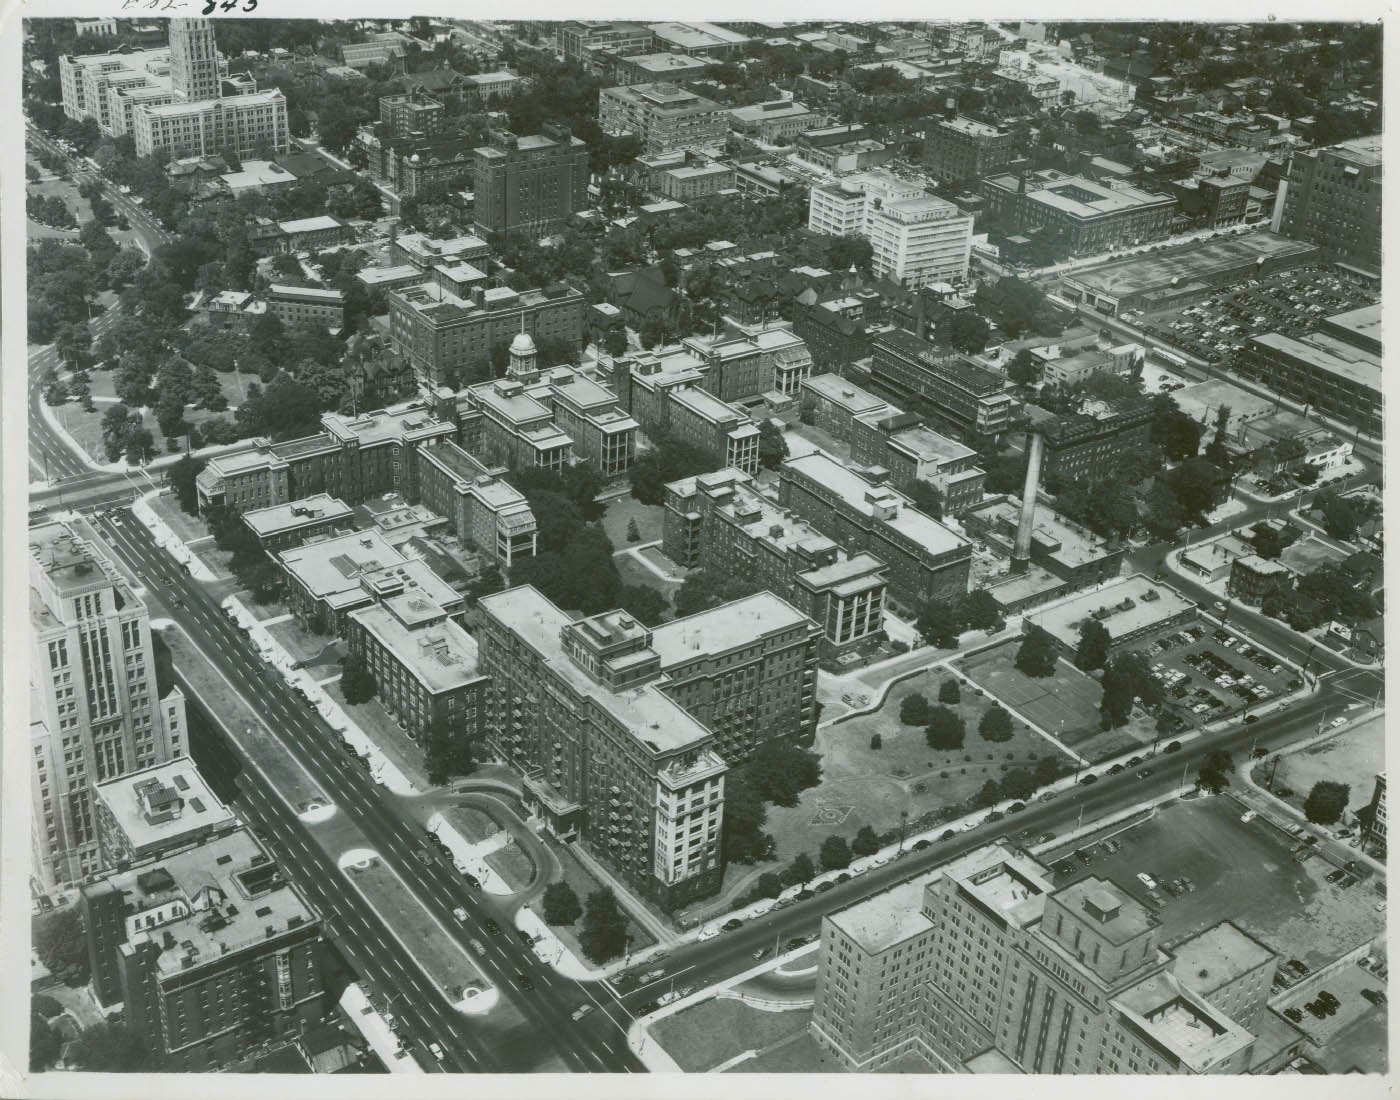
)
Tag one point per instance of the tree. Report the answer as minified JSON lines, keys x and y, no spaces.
{"x":979,"y":610}
{"x":1047,"y":770}
{"x":1036,"y":657}
{"x":61,"y":946}
{"x":615,"y":341}
{"x":995,"y":724}
{"x":561,"y":904}
{"x":913,"y":710}
{"x":1339,"y":518}
{"x":927,"y":499}
{"x":946,"y":729}
{"x":357,"y":682}
{"x":743,"y":839}
{"x":989,"y":795}
{"x":1018,"y":784}
{"x":968,"y":332}
{"x":644,"y":603}
{"x":45,"y":1044}
{"x":835,"y":854}
{"x":1326,"y":802}
{"x":876,"y":742}
{"x":1267,"y":541}
{"x":780,"y":771}
{"x":181,"y":477}
{"x":807,"y":411}
{"x":1197,"y":484}
{"x":205,"y":390}
{"x":1164,"y":513}
{"x":111,"y":1047}
{"x":938,"y":624}
{"x":140,"y":446}
{"x":634,"y":533}
{"x":866,"y":842}
{"x":772,"y":447}
{"x":950,"y":692}
{"x":604,"y":932}
{"x":116,"y":426}
{"x":1024,"y":368}
{"x":1213,"y":776}
{"x":704,"y":589}
{"x":800,"y":871}
{"x":1094,"y":640}
{"x":1116,"y":706}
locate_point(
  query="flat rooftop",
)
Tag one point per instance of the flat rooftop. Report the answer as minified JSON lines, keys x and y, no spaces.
{"x":887,"y":919}
{"x":730,"y":626}
{"x":843,"y":392}
{"x":509,"y":401}
{"x":1059,"y":538}
{"x":69,"y":562}
{"x":157,"y":805}
{"x":1217,"y":957}
{"x":311,"y":225}
{"x":1124,"y":278}
{"x":1064,"y":618}
{"x":398,"y":424}
{"x":924,"y":530}
{"x":707,"y":405}
{"x":1198,"y":1035}
{"x":696,"y":35}
{"x":1364,"y":322}
{"x":930,"y":446}
{"x":246,"y":900}
{"x":660,"y":64}
{"x":1328,"y":354}
{"x":437,"y":652}
{"x":1002,"y":879}
{"x":654,"y":719}
{"x":1130,"y":917}
{"x":319,"y":508}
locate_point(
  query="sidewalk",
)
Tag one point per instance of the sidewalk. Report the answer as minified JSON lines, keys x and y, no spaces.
{"x":371,"y":1025}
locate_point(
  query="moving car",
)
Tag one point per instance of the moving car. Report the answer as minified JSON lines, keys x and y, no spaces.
{"x":582,"y":1011}
{"x":526,"y":982}
{"x":460,"y":915}
{"x":492,"y":928}
{"x":435,"y":1050}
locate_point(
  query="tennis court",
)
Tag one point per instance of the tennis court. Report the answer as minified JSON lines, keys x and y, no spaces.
{"x":1065,"y":705}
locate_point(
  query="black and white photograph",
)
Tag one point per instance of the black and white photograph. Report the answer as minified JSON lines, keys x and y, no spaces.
{"x":808,"y":546}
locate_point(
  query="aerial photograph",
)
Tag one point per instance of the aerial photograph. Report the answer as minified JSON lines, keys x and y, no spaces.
{"x":795,"y":547}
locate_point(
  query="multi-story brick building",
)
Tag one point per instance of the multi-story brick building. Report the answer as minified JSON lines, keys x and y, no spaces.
{"x":213,"y":954}
{"x":448,"y":339}
{"x":914,"y":453}
{"x":959,"y":397}
{"x":329,"y":579}
{"x":686,"y":182}
{"x":424,"y":665}
{"x":835,"y":402}
{"x":159,"y":809}
{"x":96,"y":712}
{"x":1254,"y":579}
{"x":1332,"y":198}
{"x":647,"y":68}
{"x":984,"y":966}
{"x":243,"y":123}
{"x":839,"y":332}
{"x":1088,"y":445}
{"x":719,"y":522}
{"x":961,"y":148}
{"x":663,"y":116}
{"x":411,"y":113}
{"x":484,"y":511}
{"x":304,"y":305}
{"x":531,"y":184}
{"x":1332,"y":376}
{"x":779,"y":118}
{"x":580,"y":40}
{"x":426,"y":253}
{"x":1093,"y":217}
{"x":1067,"y":550}
{"x":734,"y":367}
{"x":283,"y":526}
{"x":924,"y":559}
{"x":722,"y":431}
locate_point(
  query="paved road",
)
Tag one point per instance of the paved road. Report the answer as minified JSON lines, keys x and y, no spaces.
{"x":704,"y":963}
{"x":545,"y":1030}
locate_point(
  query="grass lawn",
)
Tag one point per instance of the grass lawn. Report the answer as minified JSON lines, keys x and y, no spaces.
{"x":634,"y":572}
{"x":1308,"y":554}
{"x":514,"y":865}
{"x":476,"y":825}
{"x":445,"y":963}
{"x":577,"y":876}
{"x":86,"y":427}
{"x":1066,"y":705}
{"x":1353,"y":757}
{"x":865,"y":786}
{"x":625,"y":508}
{"x":714,"y":1031}
{"x":319,"y":653}
{"x":188,"y":527}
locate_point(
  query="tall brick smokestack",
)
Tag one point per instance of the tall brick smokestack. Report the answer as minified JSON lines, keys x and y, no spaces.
{"x":1021,"y":552}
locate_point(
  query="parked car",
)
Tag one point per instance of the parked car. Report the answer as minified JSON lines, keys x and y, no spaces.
{"x":733,"y":924}
{"x":708,"y":933}
{"x":492,"y":928}
{"x":1375,"y":996}
{"x":582,"y":1011}
{"x":760,"y":953}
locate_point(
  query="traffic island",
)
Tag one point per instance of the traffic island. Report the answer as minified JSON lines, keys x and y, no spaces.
{"x":442,"y":960}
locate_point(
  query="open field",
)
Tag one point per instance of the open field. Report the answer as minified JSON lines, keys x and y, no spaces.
{"x":712,"y":1032}
{"x":1354,"y":757}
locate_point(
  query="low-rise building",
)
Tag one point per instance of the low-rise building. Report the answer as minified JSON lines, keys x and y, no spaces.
{"x":1129,"y":609}
{"x":1093,"y":217}
{"x":720,"y":522}
{"x":695,"y":181}
{"x":485,"y":512}
{"x":144,"y":814}
{"x":284,"y":526}
{"x":304,"y":305}
{"x":1254,"y":579}
{"x":1330,"y":375}
{"x":779,"y":118}
{"x":924,"y":559}
{"x":698,"y":39}
{"x":1089,"y":444}
{"x":835,"y":402}
{"x":1066,"y":549}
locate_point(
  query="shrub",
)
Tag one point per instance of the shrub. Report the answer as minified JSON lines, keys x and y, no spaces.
{"x":913,"y":710}
{"x":949,"y":692}
{"x":875,"y":741}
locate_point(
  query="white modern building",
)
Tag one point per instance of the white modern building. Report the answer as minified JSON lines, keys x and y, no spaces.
{"x":917,"y":238}
{"x":96,"y":712}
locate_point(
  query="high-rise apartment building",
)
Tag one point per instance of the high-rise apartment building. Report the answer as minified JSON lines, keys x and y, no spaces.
{"x":623,"y":734}
{"x":194,"y":59}
{"x":530,"y":184}
{"x":1332,"y":198}
{"x":663,"y":116}
{"x":97,"y":712}
{"x":984,"y":966}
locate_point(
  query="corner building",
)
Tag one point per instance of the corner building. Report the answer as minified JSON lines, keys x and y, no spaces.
{"x":985,"y":967}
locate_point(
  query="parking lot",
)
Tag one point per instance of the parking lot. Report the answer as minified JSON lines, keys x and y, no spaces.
{"x":1291,"y":302}
{"x":1207,"y":865}
{"x":1209,"y":672}
{"x":1344,"y":1014}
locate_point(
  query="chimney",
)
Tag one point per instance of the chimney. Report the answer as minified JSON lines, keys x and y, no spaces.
{"x":1021,"y":552}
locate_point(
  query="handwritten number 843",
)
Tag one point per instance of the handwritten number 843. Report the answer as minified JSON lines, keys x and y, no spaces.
{"x":226,"y":5}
